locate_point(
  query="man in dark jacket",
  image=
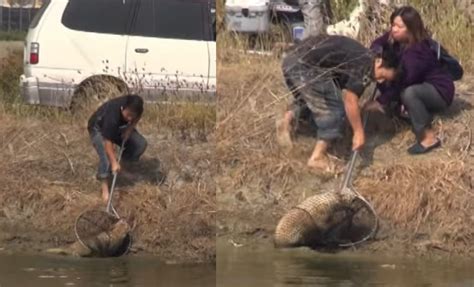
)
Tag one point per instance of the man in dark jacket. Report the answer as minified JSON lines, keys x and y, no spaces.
{"x":327,"y":75}
{"x":113,"y":123}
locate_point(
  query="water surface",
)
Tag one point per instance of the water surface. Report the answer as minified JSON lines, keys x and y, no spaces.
{"x":49,"y":271}
{"x":264,"y":266}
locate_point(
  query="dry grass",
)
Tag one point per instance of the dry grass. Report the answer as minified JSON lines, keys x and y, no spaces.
{"x":432,"y":196}
{"x":47,"y":176}
{"x":427,"y":198}
{"x":7,"y":46}
{"x":47,"y":179}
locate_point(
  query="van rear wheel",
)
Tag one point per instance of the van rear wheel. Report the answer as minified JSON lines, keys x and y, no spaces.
{"x":94,"y":92}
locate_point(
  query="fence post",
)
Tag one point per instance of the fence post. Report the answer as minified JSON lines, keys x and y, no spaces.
{"x":29,"y":13}
{"x":9,"y":18}
{"x":21,"y":17}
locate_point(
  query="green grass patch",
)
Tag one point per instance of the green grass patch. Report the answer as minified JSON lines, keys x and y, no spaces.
{"x":13,"y":35}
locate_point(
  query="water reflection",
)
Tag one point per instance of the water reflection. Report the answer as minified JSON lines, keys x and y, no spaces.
{"x":118,"y":273}
{"x":265,"y":266}
{"x":41,"y":271}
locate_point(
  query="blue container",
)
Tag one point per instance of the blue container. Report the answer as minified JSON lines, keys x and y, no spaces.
{"x":298,"y":32}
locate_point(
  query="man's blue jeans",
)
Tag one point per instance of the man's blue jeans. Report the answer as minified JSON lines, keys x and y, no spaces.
{"x":134,"y":148}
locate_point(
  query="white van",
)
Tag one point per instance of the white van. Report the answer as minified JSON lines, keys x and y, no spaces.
{"x":162,"y":49}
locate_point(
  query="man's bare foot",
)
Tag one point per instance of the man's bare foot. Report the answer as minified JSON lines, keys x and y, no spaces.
{"x":325,"y":164}
{"x":283,"y":134}
{"x":321,"y":163}
{"x":105,"y":197}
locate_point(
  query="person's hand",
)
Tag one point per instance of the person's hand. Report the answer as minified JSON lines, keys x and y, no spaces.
{"x":404,"y":112}
{"x":373,"y":106}
{"x":358,"y":140}
{"x":115,"y":167}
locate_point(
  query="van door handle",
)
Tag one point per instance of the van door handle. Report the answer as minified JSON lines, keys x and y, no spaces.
{"x":141,"y":50}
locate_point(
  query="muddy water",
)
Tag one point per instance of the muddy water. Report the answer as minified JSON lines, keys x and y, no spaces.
{"x":264,"y":266}
{"x":41,"y":271}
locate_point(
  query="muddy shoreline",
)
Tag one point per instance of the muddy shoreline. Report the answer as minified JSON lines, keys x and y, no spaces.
{"x":388,"y":242}
{"x":425,"y":204}
{"x":48,"y":179}
{"x":245,"y":226}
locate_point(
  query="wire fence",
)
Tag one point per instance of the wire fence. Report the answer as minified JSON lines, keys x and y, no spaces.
{"x":13,"y":19}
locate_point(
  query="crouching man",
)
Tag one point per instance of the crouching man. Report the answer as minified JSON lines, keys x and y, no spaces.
{"x":113,"y":123}
{"x":327,"y":75}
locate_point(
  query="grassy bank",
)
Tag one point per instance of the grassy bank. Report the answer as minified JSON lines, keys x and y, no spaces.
{"x":47,"y":176}
{"x":424,"y":203}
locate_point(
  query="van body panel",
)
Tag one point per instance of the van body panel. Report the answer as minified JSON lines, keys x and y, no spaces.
{"x":70,"y":52}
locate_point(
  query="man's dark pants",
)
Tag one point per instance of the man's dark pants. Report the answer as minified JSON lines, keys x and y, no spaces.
{"x":317,"y":96}
{"x":133,"y":149}
{"x":422,"y":101}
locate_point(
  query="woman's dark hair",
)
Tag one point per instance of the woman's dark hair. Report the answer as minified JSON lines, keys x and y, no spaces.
{"x":134,"y":103}
{"x":390,"y":59}
{"x":413,"y":21}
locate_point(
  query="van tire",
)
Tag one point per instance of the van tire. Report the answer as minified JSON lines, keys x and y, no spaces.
{"x":95,"y":91}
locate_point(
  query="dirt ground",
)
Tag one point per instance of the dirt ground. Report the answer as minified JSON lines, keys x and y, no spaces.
{"x":47,"y":179}
{"x":425,"y":203}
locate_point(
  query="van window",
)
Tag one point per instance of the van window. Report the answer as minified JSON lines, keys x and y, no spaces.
{"x":39,"y":14}
{"x":100,"y":16}
{"x":176,"y":19}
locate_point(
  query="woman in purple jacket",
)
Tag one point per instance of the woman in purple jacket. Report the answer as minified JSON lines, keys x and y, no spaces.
{"x":423,"y":88}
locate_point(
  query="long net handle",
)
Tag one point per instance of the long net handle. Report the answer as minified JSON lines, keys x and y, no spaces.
{"x":112,"y":187}
{"x":347,"y":183}
{"x":350,"y":167}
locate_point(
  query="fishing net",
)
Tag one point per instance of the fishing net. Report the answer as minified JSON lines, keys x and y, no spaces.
{"x":326,"y":220}
{"x":93,"y":229}
{"x":358,"y":224}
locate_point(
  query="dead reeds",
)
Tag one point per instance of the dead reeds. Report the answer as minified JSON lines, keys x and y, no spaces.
{"x":429,"y":197}
{"x":47,"y":177}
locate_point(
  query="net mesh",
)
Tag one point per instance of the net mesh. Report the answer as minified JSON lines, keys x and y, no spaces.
{"x":359,"y":224}
{"x":89,"y":227}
